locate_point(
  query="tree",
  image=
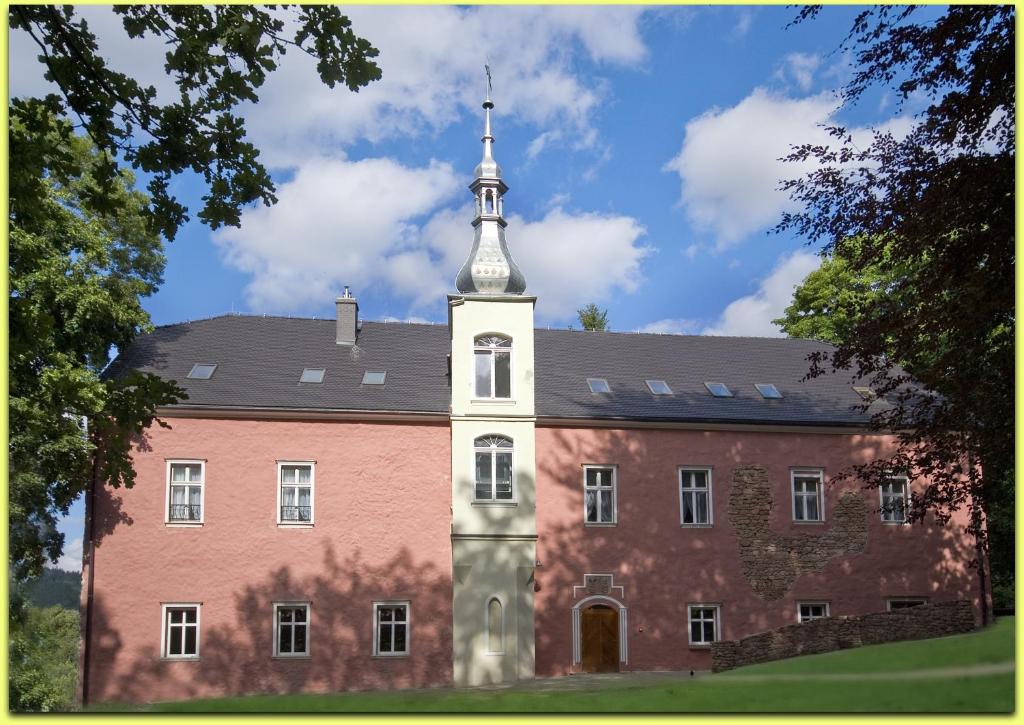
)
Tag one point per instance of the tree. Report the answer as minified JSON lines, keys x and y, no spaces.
{"x":924,"y":223}
{"x":85,"y":246}
{"x":592,"y":318}
{"x":43,"y":650}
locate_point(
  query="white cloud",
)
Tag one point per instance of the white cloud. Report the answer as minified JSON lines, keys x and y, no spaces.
{"x":71,"y":559}
{"x":743,"y":23}
{"x":431,"y":59}
{"x":752,"y":315}
{"x":730,"y":162}
{"x":432,"y":63}
{"x":671,"y":326}
{"x":339,"y":222}
{"x":800,"y":68}
{"x":691,"y":251}
{"x":568,"y":258}
{"x":377,"y":222}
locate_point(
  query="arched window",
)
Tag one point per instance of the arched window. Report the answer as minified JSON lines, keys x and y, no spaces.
{"x":493,"y":468}
{"x":493,"y":366}
{"x":495,"y":627}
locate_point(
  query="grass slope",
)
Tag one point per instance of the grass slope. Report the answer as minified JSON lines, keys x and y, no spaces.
{"x":729,"y":692}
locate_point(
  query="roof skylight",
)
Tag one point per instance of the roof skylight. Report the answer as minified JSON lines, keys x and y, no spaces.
{"x":374,"y":378}
{"x":312,"y":375}
{"x":598,"y":385}
{"x":202,"y":371}
{"x":867,"y":393}
{"x":659,"y":387}
{"x":719,"y":390}
{"x":768,"y":390}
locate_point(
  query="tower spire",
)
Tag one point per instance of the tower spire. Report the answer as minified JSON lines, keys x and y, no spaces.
{"x":490,"y":268}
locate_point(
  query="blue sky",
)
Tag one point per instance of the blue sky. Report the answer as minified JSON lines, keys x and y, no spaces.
{"x":640,"y":145}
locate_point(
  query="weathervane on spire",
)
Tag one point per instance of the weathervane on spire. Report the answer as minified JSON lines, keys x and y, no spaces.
{"x":487,"y":70}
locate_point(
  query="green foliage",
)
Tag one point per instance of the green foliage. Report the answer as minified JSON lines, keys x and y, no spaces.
{"x":77,"y":271}
{"x":923,"y":299}
{"x":85,"y":246}
{"x":219,"y":56}
{"x":592,"y":318}
{"x":43,"y":660}
{"x":54,"y":587}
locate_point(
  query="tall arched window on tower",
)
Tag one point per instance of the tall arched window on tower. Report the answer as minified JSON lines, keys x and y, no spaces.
{"x":493,"y":366}
{"x":495,"y":627}
{"x":493,"y":468}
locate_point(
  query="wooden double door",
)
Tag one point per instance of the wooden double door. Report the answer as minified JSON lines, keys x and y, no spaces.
{"x":599,"y":639}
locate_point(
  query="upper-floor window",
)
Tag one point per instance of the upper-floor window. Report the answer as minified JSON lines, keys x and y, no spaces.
{"x":807,"y":496}
{"x":492,"y":360}
{"x":695,"y":496}
{"x":893,"y":494}
{"x":295,"y":493}
{"x":493,"y":456}
{"x":185,"y":481}
{"x":599,"y":494}
{"x":180,"y":637}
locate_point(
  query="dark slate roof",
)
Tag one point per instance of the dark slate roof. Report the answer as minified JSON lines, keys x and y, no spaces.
{"x":259,"y":360}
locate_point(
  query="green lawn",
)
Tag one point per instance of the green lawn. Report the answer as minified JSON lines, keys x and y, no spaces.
{"x":728,"y":692}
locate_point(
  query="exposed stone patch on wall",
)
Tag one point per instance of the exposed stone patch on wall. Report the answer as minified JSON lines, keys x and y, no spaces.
{"x":771,"y":561}
{"x":834,"y":633}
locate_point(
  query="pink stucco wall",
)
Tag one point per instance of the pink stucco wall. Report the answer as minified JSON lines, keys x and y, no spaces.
{"x":662,"y":567}
{"x":382,"y":531}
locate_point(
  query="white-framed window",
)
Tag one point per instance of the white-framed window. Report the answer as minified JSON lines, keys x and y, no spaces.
{"x":493,"y":465}
{"x":179,"y":634}
{"x":291,"y":629}
{"x":893,"y":496}
{"x":808,"y":501}
{"x":809,"y":611}
{"x":492,"y":366}
{"x":599,"y":495}
{"x":495,"y":626}
{"x":695,"y":496}
{"x":904,"y":602}
{"x":295,"y":481}
{"x":390,"y":629}
{"x":704,"y":623}
{"x":186,"y":484}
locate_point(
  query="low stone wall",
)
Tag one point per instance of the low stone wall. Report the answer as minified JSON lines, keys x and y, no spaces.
{"x":833,"y":633}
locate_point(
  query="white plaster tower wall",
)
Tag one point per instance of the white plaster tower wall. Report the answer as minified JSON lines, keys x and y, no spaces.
{"x":493,"y":535}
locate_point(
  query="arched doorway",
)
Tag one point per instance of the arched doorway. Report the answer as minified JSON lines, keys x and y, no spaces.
{"x":599,"y":639}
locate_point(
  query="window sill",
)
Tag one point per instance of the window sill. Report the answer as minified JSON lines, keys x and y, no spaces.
{"x":393,"y":656}
{"x":894,"y":523}
{"x":696,"y":526}
{"x":287,"y":525}
{"x":494,"y":401}
{"x":808,"y":523}
{"x":700,"y":646}
{"x":183,"y":524}
{"x":494,"y":654}
{"x":600,"y":524}
{"x":189,"y":658}
{"x":495,"y":503}
{"x":292,"y":657}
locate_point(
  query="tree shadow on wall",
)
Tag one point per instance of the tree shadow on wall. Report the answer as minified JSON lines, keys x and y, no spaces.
{"x":236,"y":649}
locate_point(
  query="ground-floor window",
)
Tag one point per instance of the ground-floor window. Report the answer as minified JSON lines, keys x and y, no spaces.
{"x":180,"y":631}
{"x":391,"y":628}
{"x":291,"y":630}
{"x":905,"y":603}
{"x":809,"y":611}
{"x":704,"y":623}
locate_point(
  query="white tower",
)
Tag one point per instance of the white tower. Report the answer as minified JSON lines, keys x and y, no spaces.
{"x":494,"y":529}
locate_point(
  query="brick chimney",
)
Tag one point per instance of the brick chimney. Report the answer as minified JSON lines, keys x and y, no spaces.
{"x":348,"y":318}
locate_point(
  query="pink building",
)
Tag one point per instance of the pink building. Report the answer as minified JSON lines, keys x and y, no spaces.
{"x":354,"y":505}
